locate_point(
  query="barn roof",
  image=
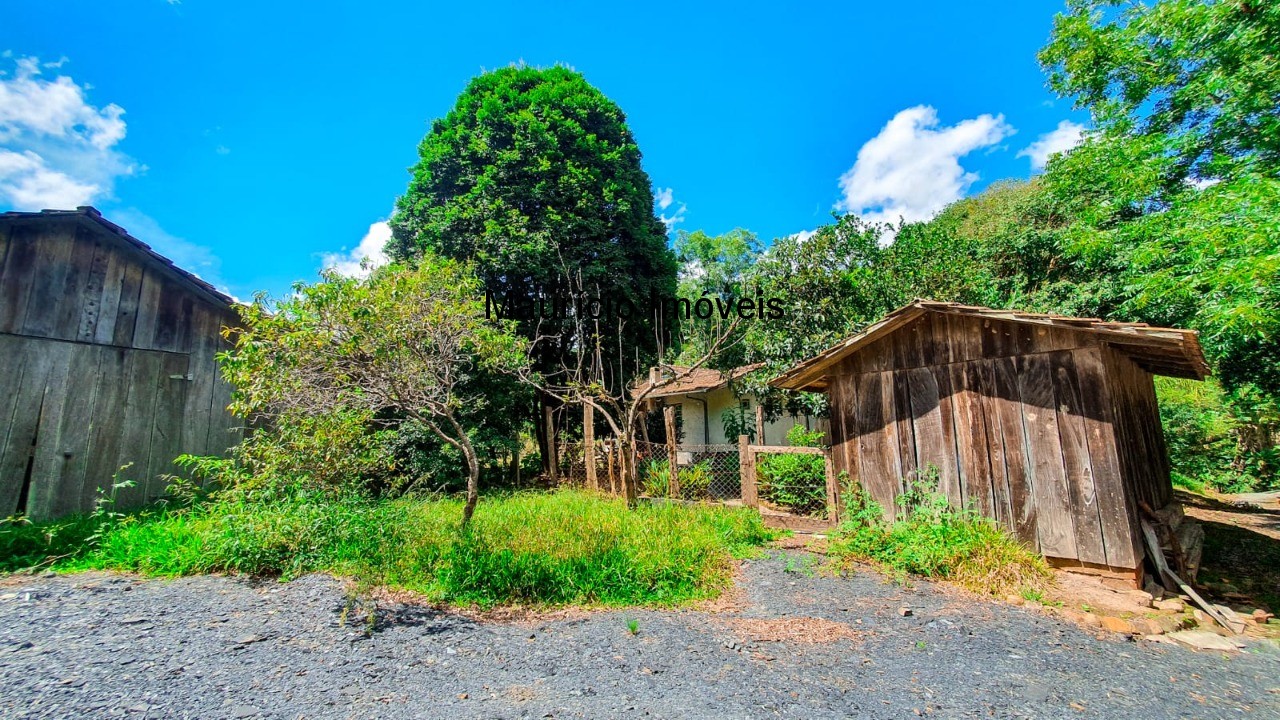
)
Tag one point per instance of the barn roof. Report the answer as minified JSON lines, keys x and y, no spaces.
{"x":1162,"y":351}
{"x":698,"y":380}
{"x":87,"y":214}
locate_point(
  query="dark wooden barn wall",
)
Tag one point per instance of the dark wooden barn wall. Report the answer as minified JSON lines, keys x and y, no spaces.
{"x":1015,"y":417}
{"x":1140,"y":436}
{"x":92,"y":335}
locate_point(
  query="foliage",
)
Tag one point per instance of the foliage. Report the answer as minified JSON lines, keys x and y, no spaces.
{"x":695,"y":480}
{"x":544,"y":548}
{"x":716,"y":267}
{"x":736,"y":422}
{"x":535,"y":177}
{"x":932,"y":539}
{"x":795,"y":482}
{"x":346,"y":355}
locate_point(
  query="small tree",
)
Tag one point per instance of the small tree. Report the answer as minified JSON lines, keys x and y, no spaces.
{"x":401,"y":344}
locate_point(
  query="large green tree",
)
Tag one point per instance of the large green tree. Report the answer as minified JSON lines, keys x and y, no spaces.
{"x":535,"y":177}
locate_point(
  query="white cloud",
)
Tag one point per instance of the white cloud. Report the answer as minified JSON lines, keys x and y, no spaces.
{"x":370,"y":253}
{"x":911,"y":169}
{"x":664,"y":199}
{"x":1061,"y":139}
{"x":56,"y":149}
{"x":222,"y":150}
{"x":803,"y":235}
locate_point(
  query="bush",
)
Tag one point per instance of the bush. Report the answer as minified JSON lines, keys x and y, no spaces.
{"x":563,"y":547}
{"x":797,"y":483}
{"x":932,"y":539}
{"x":695,"y":480}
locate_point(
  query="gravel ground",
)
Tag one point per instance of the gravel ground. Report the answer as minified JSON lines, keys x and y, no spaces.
{"x":786,"y":643}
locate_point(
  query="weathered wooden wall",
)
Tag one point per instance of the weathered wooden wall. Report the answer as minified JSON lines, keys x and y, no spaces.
{"x":1017,"y":418}
{"x":106,"y":358}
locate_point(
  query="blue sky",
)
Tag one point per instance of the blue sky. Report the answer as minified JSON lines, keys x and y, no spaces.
{"x":255,"y":142}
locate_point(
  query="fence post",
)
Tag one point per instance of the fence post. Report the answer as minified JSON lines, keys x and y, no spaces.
{"x":669,"y":417}
{"x":747,"y":470}
{"x":608,"y":459}
{"x":549,"y":422}
{"x":589,"y":445}
{"x":833,"y":489}
{"x":760,"y":425}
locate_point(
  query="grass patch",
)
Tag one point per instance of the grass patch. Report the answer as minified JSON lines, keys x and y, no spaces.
{"x":929,"y":538}
{"x":554,"y":548}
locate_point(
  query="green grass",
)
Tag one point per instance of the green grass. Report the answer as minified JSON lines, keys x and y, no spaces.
{"x":555,"y":548}
{"x":931,"y":539}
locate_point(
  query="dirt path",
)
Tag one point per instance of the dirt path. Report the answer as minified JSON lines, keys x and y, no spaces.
{"x":788,"y":643}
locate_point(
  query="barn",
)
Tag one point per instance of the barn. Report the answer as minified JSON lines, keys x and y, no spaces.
{"x":1047,"y":424}
{"x":106,"y":359}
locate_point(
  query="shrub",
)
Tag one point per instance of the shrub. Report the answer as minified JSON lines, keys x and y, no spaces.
{"x":695,"y":480}
{"x":797,"y":483}
{"x":932,"y":539}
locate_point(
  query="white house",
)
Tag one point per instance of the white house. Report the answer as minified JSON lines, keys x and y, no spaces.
{"x":702,"y":398}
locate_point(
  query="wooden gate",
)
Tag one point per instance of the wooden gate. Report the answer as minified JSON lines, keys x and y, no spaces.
{"x":780,"y":517}
{"x":78,"y":412}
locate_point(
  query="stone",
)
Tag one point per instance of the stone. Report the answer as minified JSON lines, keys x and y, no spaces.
{"x":1115,"y":624}
{"x":1147,"y":626}
{"x":1170,"y":605}
{"x":1205,"y":640}
{"x":1261,"y":616}
{"x":1014,"y":599}
{"x":905,"y":611}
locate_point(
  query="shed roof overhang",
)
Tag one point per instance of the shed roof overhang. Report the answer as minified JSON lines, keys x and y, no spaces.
{"x":1162,"y":351}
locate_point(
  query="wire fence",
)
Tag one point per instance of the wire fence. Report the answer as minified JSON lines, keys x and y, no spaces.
{"x":792,"y":483}
{"x":703,"y":472}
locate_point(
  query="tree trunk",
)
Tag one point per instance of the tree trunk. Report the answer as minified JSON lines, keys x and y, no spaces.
{"x":473,"y":477}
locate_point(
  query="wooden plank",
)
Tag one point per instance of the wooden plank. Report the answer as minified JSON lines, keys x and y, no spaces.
{"x":902,"y":413}
{"x":53,"y":252}
{"x":950,"y":482}
{"x":203,"y":367}
{"x":747,"y":471}
{"x":127,"y":310}
{"x":106,"y":429}
{"x":63,"y":450}
{"x":877,"y":446}
{"x":1119,"y":519}
{"x":1074,"y":439}
{"x":849,"y":419}
{"x":971,"y":440}
{"x":55,"y":358}
{"x":21,"y":390}
{"x":673,"y":470}
{"x":989,"y":404}
{"x":92,"y":294}
{"x":1018,"y":468}
{"x":1044,"y":450}
{"x":70,"y":301}
{"x":934,"y":446}
{"x":137,"y":413}
{"x":787,"y":450}
{"x":112,"y":287}
{"x":144,"y":332}
{"x":589,"y":445}
{"x":17,"y":277}
{"x":166,"y":422}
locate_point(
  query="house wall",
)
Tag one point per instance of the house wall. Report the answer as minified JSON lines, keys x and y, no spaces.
{"x":106,"y":358}
{"x":1017,"y":419}
{"x":717,"y":402}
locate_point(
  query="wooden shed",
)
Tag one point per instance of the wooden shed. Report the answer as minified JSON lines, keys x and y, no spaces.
{"x":106,"y":358}
{"x":1047,"y":424}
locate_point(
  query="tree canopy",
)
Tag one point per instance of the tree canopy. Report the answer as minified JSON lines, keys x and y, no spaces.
{"x":535,"y":177}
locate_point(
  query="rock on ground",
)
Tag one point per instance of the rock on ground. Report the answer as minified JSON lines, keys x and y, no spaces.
{"x":790,"y":644}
